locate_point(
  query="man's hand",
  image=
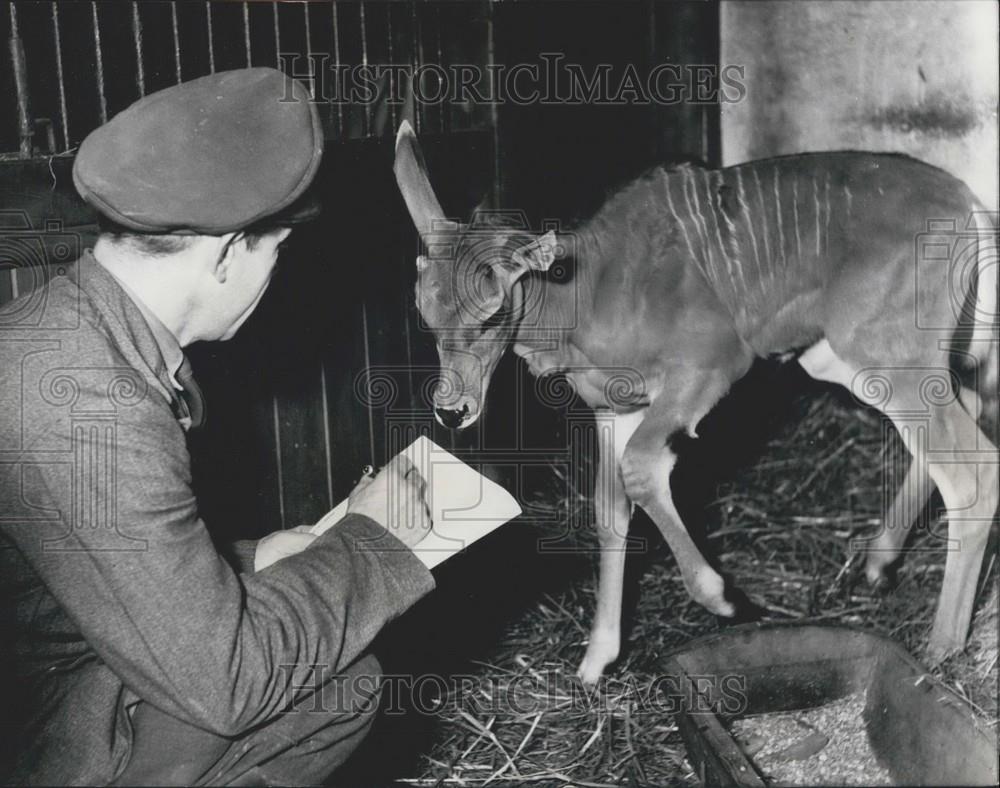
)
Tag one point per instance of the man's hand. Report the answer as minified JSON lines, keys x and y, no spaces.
{"x":395,"y":498}
{"x":281,"y":544}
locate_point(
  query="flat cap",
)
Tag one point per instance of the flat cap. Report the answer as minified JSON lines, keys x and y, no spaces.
{"x":206,"y":157}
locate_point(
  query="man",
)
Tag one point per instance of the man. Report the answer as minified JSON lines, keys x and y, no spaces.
{"x":136,"y":652}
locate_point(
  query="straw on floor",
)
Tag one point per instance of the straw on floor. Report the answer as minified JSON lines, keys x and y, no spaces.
{"x":781,"y":525}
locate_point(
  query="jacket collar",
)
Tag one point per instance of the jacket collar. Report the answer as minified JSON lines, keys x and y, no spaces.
{"x":145,"y":342}
{"x":166,"y":342}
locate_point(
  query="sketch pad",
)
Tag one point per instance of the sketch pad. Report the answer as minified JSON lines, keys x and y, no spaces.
{"x":465,"y":505}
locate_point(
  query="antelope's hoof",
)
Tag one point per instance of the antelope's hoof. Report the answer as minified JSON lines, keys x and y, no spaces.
{"x":709,"y":590}
{"x":878,"y":574}
{"x":747,"y":610}
{"x":940,"y":648}
{"x":600,"y":654}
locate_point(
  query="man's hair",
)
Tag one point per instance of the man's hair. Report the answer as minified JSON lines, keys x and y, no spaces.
{"x":166,"y":244}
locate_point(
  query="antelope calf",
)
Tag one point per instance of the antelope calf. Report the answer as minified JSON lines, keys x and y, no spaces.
{"x":685,"y":277}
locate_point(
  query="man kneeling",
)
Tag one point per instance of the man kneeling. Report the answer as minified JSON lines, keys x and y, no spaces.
{"x":137,"y":652}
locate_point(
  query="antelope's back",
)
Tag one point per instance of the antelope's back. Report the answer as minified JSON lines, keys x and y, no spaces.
{"x":806,"y":239}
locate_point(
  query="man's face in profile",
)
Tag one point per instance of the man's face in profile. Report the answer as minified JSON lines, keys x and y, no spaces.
{"x":247,"y":279}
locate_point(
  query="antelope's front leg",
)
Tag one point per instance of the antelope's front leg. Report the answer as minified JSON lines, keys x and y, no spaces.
{"x":611,"y":510}
{"x":646,"y":468}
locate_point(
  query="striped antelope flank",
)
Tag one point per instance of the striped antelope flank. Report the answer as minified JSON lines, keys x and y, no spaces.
{"x":685,"y":277}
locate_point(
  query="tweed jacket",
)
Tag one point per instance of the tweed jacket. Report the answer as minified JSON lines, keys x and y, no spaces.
{"x":111,"y":591}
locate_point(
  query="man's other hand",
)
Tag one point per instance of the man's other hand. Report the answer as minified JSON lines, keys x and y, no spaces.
{"x":396,"y":499}
{"x":281,"y":544}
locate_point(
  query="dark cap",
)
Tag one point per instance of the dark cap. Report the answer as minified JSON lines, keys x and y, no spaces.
{"x":209,"y":156}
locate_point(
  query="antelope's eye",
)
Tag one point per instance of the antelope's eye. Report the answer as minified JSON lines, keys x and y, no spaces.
{"x":484,"y":285}
{"x":496,"y":320}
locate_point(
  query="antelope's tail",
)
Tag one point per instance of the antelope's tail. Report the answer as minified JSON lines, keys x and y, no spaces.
{"x":986,"y":331}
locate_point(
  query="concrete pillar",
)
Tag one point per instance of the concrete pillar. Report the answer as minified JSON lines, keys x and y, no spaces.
{"x":916,"y":77}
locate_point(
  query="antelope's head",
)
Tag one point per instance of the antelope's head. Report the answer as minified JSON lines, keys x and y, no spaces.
{"x":466,"y":286}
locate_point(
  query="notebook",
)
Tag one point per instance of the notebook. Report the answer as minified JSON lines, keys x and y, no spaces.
{"x":465,"y":506}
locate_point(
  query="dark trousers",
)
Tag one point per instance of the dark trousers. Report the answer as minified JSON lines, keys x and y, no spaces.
{"x":302,"y":746}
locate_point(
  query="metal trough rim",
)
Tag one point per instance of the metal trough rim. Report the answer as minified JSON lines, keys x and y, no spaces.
{"x":920,"y":730}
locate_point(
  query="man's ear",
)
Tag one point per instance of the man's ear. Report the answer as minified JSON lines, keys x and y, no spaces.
{"x":225,"y":252}
{"x":537,"y":255}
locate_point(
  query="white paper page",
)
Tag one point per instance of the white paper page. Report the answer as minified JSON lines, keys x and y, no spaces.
{"x":465,"y":505}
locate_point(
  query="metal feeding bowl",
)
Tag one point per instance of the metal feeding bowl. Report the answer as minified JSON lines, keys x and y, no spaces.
{"x":919,"y":731}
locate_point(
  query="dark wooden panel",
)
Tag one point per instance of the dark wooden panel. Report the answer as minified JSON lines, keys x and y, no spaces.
{"x":351,"y":446}
{"x":302,"y":440}
{"x":6,"y":284}
{"x":347,"y":264}
{"x":343,"y":296}
{"x":215,"y":37}
{"x":292,"y":30}
{"x":364,"y":271}
{"x":233,"y":456}
{"x":192,"y":31}
{"x":36,"y":29}
{"x":44,"y":226}
{"x":118,"y":55}
{"x":79,"y":68}
{"x":158,"y":58}
{"x":228,"y":36}
{"x":263,"y":47}
{"x":42,"y":190}
{"x":687,"y":33}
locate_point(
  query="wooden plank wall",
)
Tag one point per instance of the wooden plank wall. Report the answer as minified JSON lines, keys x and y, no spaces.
{"x":43,"y":224}
{"x":85,"y":62}
{"x":294,"y":415}
{"x":334,"y":370}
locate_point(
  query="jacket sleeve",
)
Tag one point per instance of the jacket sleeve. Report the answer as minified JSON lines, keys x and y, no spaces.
{"x":241,"y":554}
{"x":135,"y":568}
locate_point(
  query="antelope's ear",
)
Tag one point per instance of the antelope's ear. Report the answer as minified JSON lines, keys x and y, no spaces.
{"x":539,"y":254}
{"x":484,"y":206}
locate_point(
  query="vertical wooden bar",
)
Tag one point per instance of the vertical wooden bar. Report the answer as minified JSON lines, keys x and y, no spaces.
{"x":390,"y":59}
{"x":246,"y":33}
{"x":177,"y":40}
{"x":140,"y":70}
{"x":277,"y":37}
{"x":369,"y":406}
{"x":417,"y":52}
{"x":327,"y":447}
{"x":278,"y":457}
{"x":496,"y":190}
{"x":364,"y":63}
{"x":57,"y":45}
{"x":18,"y":62}
{"x":309,"y":57}
{"x":336,"y":71}
{"x":444,"y":118}
{"x":211,"y":43}
{"x":99,"y":62}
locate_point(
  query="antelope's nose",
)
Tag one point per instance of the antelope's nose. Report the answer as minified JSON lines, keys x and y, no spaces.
{"x":451,"y":417}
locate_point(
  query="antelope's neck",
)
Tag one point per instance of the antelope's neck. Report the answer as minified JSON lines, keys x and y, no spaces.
{"x":557,"y":310}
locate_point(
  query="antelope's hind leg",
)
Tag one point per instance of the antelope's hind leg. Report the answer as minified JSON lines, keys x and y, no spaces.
{"x":910,"y":500}
{"x":960,"y":459}
{"x":821,"y":363}
{"x":963,"y":464}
